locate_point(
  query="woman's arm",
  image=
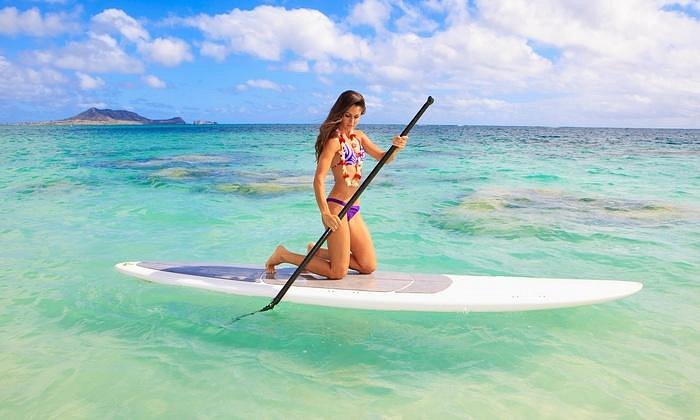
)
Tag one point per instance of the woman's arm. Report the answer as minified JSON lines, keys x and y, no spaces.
{"x":374,"y":150}
{"x":329,"y":151}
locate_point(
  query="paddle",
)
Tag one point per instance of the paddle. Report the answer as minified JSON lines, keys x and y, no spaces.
{"x":342,"y":213}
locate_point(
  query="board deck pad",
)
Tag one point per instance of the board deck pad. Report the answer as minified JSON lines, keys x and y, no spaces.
{"x":375,"y":282}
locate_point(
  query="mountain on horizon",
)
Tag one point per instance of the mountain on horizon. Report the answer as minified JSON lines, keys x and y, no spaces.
{"x":112,"y":116}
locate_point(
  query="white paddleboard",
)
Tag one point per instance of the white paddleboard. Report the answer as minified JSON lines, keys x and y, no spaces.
{"x":388,"y":291}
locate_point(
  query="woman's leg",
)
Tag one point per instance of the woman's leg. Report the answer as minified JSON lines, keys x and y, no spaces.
{"x":361,"y":246}
{"x":360,"y":241}
{"x":323,"y":253}
{"x":335,"y":266}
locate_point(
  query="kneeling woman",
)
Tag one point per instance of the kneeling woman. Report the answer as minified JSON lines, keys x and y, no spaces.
{"x":341,"y":149}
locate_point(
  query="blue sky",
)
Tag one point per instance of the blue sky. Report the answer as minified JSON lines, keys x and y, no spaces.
{"x":629,"y":63}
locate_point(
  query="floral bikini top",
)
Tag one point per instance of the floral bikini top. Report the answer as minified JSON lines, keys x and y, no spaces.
{"x":351,"y":154}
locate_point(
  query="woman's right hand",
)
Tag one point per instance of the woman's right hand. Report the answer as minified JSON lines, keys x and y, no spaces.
{"x":331,"y":221}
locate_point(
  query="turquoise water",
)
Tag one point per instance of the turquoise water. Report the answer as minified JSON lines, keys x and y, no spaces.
{"x":79,"y":340}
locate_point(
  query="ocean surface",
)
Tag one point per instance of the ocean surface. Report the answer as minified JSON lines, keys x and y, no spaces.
{"x":79,"y":340}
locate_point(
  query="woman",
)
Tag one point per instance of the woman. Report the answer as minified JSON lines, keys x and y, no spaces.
{"x":341,"y":149}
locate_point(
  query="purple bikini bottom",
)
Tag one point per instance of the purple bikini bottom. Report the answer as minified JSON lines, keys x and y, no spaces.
{"x":352,"y":211}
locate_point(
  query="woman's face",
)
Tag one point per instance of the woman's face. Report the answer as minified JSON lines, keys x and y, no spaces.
{"x":351,"y":117}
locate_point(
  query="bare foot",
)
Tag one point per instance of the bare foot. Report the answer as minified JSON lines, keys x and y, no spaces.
{"x":275,"y":258}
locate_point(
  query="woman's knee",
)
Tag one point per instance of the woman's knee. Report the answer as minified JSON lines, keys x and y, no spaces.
{"x":338,"y":273}
{"x":367,"y":268}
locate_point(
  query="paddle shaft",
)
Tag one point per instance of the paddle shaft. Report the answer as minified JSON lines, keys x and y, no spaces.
{"x":345,"y":209}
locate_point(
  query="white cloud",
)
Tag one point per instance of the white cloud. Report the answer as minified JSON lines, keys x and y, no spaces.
{"x":25,"y":84}
{"x":374,"y":102}
{"x":378,"y":13}
{"x":154,"y":82}
{"x":298,"y":66}
{"x":413,"y":20}
{"x":214,"y":50}
{"x":611,"y":54}
{"x":268,"y":32}
{"x":373,"y":13}
{"x":100,"y":53}
{"x":694,"y":5}
{"x":452,"y":55}
{"x":567,"y":62}
{"x":627,"y":58}
{"x":88,"y":82}
{"x":167,"y":51}
{"x":31,"y":22}
{"x":458,"y":57}
{"x":117,"y":21}
{"x":91,"y":104}
{"x":325,"y":67}
{"x":479,"y":103}
{"x":261,"y":84}
{"x":455,"y":11}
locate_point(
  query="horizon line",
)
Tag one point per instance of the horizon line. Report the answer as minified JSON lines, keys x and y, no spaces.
{"x":48,"y":124}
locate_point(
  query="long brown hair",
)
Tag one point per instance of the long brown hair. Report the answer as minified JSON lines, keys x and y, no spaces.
{"x":343,"y":103}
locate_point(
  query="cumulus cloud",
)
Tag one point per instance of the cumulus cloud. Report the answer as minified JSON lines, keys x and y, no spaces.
{"x":107,"y":48}
{"x":82,"y":104}
{"x":693,"y":4}
{"x":626,"y":59}
{"x":214,"y":50}
{"x":479,"y":103}
{"x":314,"y":42}
{"x":26,"y":84}
{"x":455,"y":11}
{"x":412,"y":19}
{"x":100,"y":53}
{"x":460,"y":56}
{"x":268,"y":32}
{"x":31,"y":22}
{"x":260,"y":84}
{"x":565,"y":61}
{"x":117,"y":21}
{"x":299,"y":66}
{"x":167,"y":51}
{"x":88,"y":82}
{"x":154,"y":82}
{"x":378,"y":15}
{"x":373,"y":13}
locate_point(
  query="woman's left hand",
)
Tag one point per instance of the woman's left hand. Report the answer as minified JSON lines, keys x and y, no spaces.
{"x":400,"y":141}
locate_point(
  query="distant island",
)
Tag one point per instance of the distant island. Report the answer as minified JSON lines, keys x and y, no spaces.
{"x":94,"y":116}
{"x":203,"y":122}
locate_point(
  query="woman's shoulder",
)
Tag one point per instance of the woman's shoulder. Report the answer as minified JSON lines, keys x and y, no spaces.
{"x":361,"y":134}
{"x":333,"y":140}
{"x":333,"y":136}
